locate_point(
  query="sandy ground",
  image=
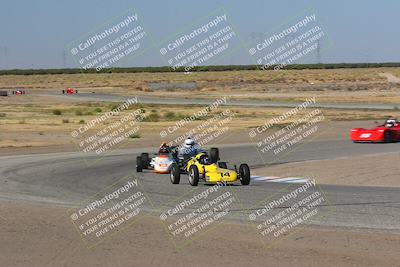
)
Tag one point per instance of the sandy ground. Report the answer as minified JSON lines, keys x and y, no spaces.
{"x":34,"y":235}
{"x":369,"y":170}
{"x":390,"y":77}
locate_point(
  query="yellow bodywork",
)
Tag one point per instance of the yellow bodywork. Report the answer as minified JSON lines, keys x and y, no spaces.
{"x":213,"y":173}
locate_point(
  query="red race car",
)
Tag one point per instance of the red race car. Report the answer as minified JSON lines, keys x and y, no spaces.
{"x":18,"y":92}
{"x":69,"y":91}
{"x":387,"y":133}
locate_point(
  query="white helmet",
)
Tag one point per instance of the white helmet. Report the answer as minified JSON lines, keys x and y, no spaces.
{"x":390,"y":123}
{"x":189,"y":142}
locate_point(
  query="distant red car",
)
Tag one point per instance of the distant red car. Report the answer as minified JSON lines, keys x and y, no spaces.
{"x":18,"y":92}
{"x":387,"y":133}
{"x":69,"y":91}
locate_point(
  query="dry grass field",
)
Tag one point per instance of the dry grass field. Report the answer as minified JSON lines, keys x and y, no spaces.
{"x":32,"y":120}
{"x":336,"y":85}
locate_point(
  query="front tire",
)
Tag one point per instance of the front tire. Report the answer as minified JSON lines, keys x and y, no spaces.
{"x":145,"y":160}
{"x":139,"y":164}
{"x":244,"y":172}
{"x":175,"y":174}
{"x":194,"y":175}
{"x":222,"y":165}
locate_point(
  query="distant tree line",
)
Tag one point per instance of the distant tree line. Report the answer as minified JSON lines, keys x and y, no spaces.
{"x":199,"y":68}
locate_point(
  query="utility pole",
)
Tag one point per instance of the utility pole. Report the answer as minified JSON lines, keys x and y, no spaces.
{"x":318,"y":52}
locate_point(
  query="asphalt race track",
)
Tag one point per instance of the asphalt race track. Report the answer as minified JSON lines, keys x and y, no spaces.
{"x":194,"y":101}
{"x":69,"y":178}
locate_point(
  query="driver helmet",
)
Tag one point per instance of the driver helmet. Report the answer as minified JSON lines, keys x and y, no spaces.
{"x":189,"y":142}
{"x":390,"y":123}
{"x":204,"y":159}
{"x":163,"y":148}
{"x":163,"y":144}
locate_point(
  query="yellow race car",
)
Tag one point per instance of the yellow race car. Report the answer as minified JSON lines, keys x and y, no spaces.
{"x":201,"y":167}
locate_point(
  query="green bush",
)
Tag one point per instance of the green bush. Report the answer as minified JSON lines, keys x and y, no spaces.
{"x":135,"y":135}
{"x":98,"y":110}
{"x":114,"y":107}
{"x":2,"y":115}
{"x":57,"y":112}
{"x":82,"y":122}
{"x":78,"y":113}
{"x":169,"y":115}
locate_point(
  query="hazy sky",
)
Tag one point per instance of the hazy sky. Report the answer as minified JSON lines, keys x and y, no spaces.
{"x":35,"y":33}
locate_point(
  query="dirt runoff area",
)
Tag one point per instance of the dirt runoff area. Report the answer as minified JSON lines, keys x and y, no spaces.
{"x":354,"y":170}
{"x":35,"y":235}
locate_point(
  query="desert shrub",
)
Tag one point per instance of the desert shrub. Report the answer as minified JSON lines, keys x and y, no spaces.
{"x":56,"y":112}
{"x":135,"y":135}
{"x":169,"y":115}
{"x":113,"y":107}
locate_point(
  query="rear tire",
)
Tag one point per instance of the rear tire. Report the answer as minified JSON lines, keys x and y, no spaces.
{"x":175,"y":174}
{"x":139,"y":164}
{"x":214,"y":155}
{"x":146,"y":160}
{"x":244,"y":172}
{"x":194,"y":175}
{"x":222,"y":165}
{"x":387,"y":137}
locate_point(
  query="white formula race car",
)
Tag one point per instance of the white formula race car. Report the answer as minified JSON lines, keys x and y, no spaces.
{"x":159,"y":163}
